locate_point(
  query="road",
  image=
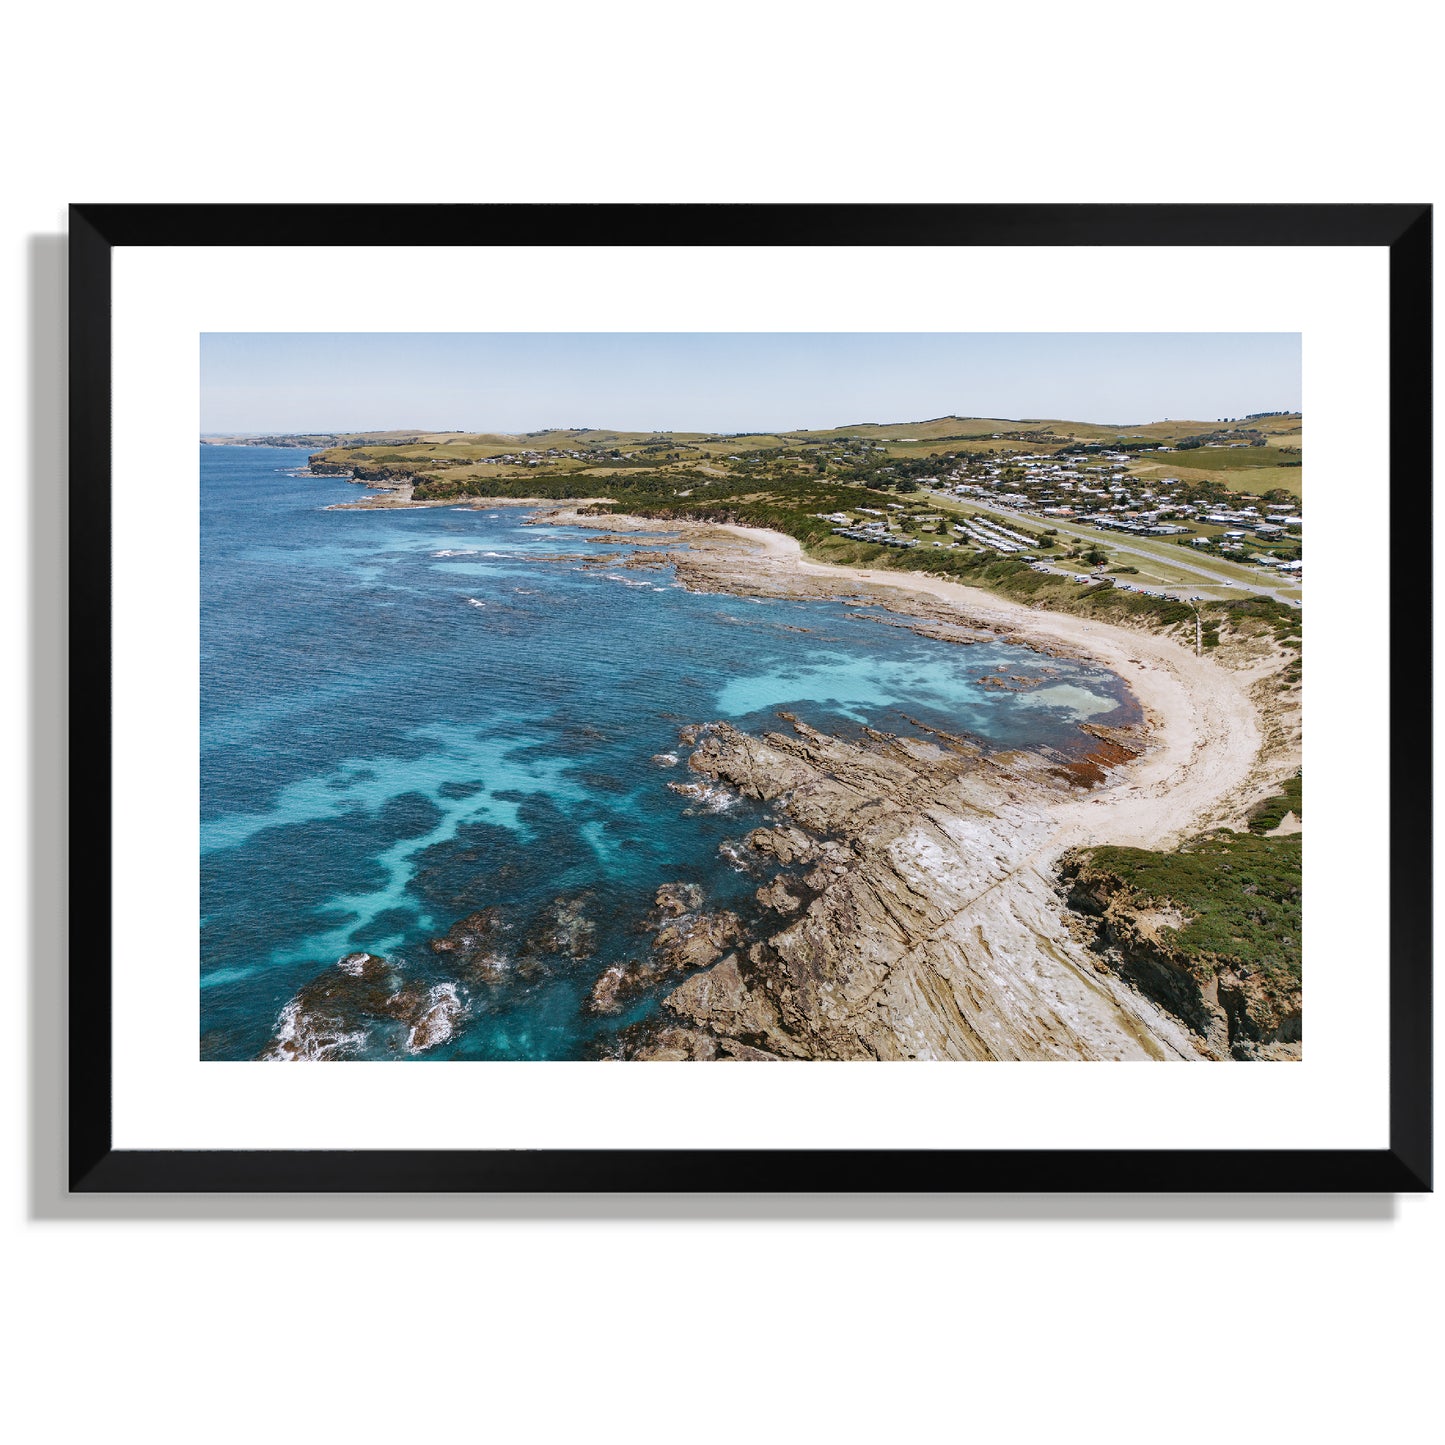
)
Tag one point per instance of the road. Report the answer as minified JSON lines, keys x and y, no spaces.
{"x":1115,"y":541}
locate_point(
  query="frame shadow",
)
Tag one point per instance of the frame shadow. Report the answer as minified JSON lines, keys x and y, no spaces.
{"x":48,"y":1196}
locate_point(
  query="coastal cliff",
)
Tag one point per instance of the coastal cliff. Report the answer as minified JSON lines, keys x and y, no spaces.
{"x":400,"y":480}
{"x":1226,"y":960}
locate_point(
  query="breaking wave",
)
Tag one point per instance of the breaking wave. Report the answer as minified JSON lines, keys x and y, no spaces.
{"x":304,"y":1037}
{"x":444,"y":1007}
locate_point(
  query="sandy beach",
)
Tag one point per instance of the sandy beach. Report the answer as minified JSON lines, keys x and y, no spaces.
{"x":1205,"y":734}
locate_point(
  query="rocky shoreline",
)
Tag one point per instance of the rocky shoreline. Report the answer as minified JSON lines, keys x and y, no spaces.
{"x":912,"y":916}
{"x":917,"y":898}
{"x":939,"y":913}
{"x":906,"y":909}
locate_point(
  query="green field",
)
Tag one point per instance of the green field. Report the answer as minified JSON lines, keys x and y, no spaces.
{"x":789,"y":482}
{"x":922,"y":439}
{"x":1256,"y":478}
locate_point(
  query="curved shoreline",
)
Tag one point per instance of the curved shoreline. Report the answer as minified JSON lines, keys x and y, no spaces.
{"x":1203,"y":726}
{"x":929,"y":923}
{"x":946,"y":935}
{"x":1204,"y":729}
{"x":990,"y":967}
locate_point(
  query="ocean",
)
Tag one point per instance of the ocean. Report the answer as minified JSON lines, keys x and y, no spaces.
{"x":407,"y":716}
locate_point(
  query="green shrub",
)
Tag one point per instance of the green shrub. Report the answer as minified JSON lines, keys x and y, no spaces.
{"x":1271,"y":813}
{"x":1240,"y":893}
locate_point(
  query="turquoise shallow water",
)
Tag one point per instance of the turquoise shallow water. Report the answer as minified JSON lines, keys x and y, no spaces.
{"x":409,"y":715}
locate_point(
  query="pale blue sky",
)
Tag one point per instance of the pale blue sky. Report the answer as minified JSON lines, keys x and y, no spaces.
{"x":731,"y":381}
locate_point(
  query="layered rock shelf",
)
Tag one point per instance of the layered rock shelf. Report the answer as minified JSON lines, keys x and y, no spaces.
{"x":916,"y":916}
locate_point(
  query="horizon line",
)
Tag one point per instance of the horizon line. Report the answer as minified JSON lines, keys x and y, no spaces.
{"x":762,"y":431}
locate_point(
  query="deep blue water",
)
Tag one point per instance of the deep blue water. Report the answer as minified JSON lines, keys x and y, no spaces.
{"x":409,"y":715}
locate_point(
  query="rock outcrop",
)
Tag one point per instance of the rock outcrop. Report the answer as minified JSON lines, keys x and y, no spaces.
{"x":684,"y":938}
{"x":1235,"y":1010}
{"x":333,"y":1015}
{"x":564,"y":929}
{"x":472,"y":946}
{"x":900,"y":941}
{"x":675,"y":899}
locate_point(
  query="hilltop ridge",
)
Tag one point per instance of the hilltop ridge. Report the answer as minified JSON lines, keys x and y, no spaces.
{"x":951,"y":427}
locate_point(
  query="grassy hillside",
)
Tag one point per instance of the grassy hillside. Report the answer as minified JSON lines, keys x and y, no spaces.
{"x":1247,"y":469}
{"x":938,"y":436}
{"x":1219,"y":919}
{"x":793,"y":483}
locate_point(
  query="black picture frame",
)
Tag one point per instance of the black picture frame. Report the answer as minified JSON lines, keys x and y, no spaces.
{"x":1406,"y":1165}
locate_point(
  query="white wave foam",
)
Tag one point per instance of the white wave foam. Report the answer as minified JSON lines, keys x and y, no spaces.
{"x":438,"y":1023}
{"x":310,"y":1038}
{"x":707,"y":797}
{"x":475,"y":602}
{"x":735,"y":855}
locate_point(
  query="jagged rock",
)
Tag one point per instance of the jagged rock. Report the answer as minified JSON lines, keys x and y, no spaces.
{"x":909,"y":948}
{"x":564,"y":929}
{"x":721,"y":998}
{"x":618,"y":985}
{"x":1260,"y":1014}
{"x":470,"y":943}
{"x":682,"y":941}
{"x":783,"y":895}
{"x":467,"y":934}
{"x":332,"y":1016}
{"x":697,"y":939}
{"x":673,"y":1045}
{"x":731,"y":1049}
{"x":437,"y":1019}
{"x":606,"y":995}
{"x":787,"y":845}
{"x":675,"y":899}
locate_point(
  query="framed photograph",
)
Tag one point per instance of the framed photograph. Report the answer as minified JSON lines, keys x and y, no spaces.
{"x":511,"y":646}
